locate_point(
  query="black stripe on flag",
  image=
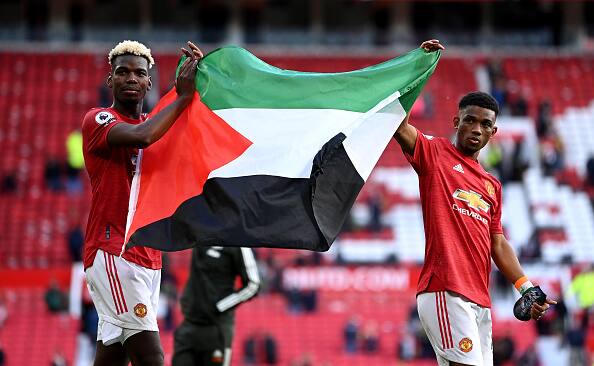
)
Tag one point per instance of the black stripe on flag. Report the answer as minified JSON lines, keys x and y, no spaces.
{"x":264,"y":210}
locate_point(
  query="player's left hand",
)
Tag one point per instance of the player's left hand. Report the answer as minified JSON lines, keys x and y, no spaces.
{"x":194,"y":53}
{"x":537,"y":310}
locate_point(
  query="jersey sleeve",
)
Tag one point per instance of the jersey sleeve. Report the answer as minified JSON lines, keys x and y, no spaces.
{"x":247,"y":269}
{"x":496,"y":227}
{"x":425,"y":153}
{"x":96,"y":125}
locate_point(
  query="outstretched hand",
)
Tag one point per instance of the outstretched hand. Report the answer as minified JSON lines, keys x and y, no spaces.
{"x":432,"y":45}
{"x":537,"y":310}
{"x":194,"y":53}
{"x":185,"y":82}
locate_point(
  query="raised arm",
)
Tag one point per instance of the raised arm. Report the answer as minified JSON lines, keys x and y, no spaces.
{"x":144,"y":134}
{"x":506,"y":260}
{"x":406,"y":135}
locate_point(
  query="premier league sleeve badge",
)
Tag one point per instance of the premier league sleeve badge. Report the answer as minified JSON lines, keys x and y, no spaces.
{"x":104,"y":118}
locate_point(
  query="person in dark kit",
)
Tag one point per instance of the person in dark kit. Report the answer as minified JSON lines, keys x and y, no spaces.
{"x":53,"y":175}
{"x":8,"y":184}
{"x":55,"y":299}
{"x":75,"y":238}
{"x":209,"y":302}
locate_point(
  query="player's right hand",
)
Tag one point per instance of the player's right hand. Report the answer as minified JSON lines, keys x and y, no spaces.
{"x":538,"y":310}
{"x":185,"y":82}
{"x":432,"y":45}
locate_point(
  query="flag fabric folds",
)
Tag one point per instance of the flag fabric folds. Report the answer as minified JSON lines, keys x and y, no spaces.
{"x":265,"y":157}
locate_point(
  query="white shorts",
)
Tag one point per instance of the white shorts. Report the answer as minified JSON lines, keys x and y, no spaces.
{"x":125,"y":295}
{"x":459,"y":330}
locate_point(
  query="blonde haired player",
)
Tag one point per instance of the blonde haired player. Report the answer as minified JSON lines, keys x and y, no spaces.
{"x":125,"y":289}
{"x":461,"y":205}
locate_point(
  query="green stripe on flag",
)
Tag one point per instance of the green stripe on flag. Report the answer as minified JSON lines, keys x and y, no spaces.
{"x":232,"y":77}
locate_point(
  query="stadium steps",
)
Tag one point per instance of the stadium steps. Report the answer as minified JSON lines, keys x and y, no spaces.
{"x":576,"y":130}
{"x":567,"y":213}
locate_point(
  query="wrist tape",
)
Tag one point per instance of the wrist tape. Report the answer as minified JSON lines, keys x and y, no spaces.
{"x":523,"y":284}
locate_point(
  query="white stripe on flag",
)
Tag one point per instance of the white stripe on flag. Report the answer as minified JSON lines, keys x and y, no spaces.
{"x":285,"y":140}
{"x":372,"y":132}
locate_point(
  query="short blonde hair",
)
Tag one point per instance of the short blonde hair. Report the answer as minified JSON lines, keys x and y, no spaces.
{"x":131,"y":48}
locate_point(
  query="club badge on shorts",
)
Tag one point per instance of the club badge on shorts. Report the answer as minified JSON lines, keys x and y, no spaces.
{"x":140,"y":310}
{"x":465,"y":345}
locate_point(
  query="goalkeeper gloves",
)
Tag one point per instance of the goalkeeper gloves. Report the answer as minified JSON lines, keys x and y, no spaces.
{"x":523,"y":306}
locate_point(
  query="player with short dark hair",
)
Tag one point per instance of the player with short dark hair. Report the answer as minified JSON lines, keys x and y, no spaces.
{"x":461,"y":206}
{"x":125,"y":286}
{"x":479,"y":99}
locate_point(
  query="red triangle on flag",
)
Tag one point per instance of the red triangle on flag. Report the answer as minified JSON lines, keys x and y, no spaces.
{"x":175,"y":168}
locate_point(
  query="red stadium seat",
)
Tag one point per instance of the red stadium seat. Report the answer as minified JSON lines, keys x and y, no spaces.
{"x":29,"y":323}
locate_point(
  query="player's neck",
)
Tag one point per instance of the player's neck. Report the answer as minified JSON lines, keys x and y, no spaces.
{"x":128,"y":110}
{"x":469,"y":154}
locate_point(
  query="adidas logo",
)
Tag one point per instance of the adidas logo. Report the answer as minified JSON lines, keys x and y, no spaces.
{"x":458,"y":168}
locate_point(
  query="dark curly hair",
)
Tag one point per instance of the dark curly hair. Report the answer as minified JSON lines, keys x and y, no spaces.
{"x":479,"y":99}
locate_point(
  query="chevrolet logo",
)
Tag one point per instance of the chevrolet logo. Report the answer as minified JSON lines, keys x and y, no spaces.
{"x":473,"y":199}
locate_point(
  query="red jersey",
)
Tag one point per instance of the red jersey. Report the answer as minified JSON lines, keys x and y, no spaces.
{"x":110,"y":169}
{"x":461,"y":209}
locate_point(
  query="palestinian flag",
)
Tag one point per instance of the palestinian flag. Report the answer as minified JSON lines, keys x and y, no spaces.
{"x":265,"y":157}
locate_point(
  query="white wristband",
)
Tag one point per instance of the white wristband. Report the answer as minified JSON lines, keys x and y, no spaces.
{"x":525,"y":286}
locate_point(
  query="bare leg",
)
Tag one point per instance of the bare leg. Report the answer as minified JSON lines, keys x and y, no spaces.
{"x":113,"y":355}
{"x":144,"y":349}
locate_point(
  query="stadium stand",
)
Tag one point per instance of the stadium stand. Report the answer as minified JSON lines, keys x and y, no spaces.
{"x":30,"y":325}
{"x":42,"y":107}
{"x":43,"y":110}
{"x":566,"y":81}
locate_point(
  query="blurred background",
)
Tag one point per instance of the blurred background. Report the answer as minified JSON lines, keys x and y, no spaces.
{"x":354,"y":305}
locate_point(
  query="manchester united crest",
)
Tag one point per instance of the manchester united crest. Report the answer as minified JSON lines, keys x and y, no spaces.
{"x":465,"y":345}
{"x":140,"y":310}
{"x":490,"y":188}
